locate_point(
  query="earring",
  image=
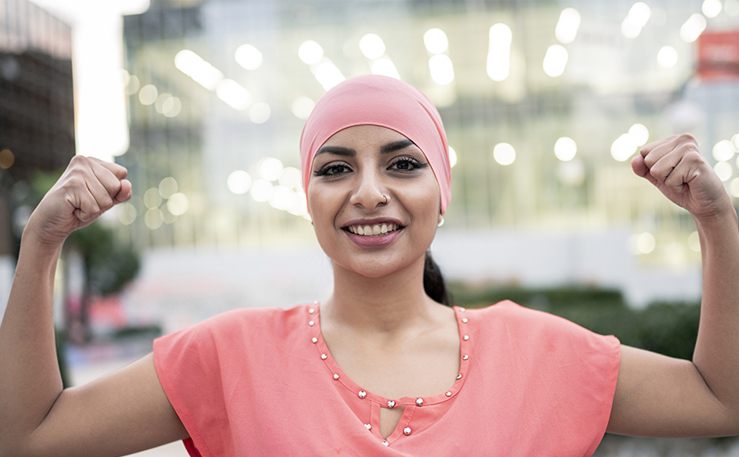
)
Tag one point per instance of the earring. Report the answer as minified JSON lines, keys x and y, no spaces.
{"x":441,"y":222}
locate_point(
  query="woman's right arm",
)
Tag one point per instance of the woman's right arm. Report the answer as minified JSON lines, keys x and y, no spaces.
{"x":118,"y":414}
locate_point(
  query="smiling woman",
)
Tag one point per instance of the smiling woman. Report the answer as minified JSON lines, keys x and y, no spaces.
{"x":381,"y":366}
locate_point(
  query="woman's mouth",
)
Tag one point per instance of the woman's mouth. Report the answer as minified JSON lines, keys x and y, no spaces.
{"x":372,"y":230}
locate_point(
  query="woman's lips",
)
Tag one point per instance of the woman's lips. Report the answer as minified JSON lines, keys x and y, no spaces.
{"x":374,"y":241}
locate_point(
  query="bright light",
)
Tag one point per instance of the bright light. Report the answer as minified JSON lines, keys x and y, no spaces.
{"x":569,"y":22}
{"x":159,"y":103}
{"x":261,"y":190}
{"x":645,"y":243}
{"x":624,"y":146}
{"x":734,"y":188}
{"x":442,"y":70}
{"x":302,"y":106}
{"x":132,"y":85}
{"x":640,"y":134}
{"x":171,"y":107}
{"x":167,"y":187}
{"x":299,"y":206}
{"x":248,"y":57}
{"x":504,"y":154}
{"x":435,"y":41}
{"x":555,"y":60}
{"x":327,"y":74}
{"x":565,"y":149}
{"x":259,"y":113}
{"x":310,"y":52}
{"x":499,"y":52}
{"x":235,"y":95}
{"x":127,"y":214}
{"x":667,"y":57}
{"x":693,"y":27}
{"x":711,"y":8}
{"x":281,"y":198}
{"x":148,"y":94}
{"x":153,"y":218}
{"x":639,"y":14}
{"x":270,"y":168}
{"x":198,"y":69}
{"x":723,"y":170}
{"x":372,"y":46}
{"x":723,"y":150}
{"x":290,"y":177}
{"x":384,"y":66}
{"x":452,"y":157}
{"x":629,"y":29}
{"x":238,"y":182}
{"x":178,"y":204}
{"x":152,"y":198}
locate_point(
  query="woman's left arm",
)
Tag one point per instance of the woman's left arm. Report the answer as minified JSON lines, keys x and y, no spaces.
{"x":661,"y":396}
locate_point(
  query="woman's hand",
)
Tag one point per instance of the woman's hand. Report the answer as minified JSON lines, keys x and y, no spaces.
{"x":677,"y":168}
{"x":87,"y":189}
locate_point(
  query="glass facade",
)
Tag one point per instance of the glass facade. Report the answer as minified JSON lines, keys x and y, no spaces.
{"x":36,"y":105}
{"x":544,"y":103}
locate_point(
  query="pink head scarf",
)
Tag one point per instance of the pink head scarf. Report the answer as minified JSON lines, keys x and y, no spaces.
{"x":385,"y":102}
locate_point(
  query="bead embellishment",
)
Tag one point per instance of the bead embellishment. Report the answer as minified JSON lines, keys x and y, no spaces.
{"x":465,"y":357}
{"x":336,"y":376}
{"x":448,"y":394}
{"x":386,"y":443}
{"x":324,"y":356}
{"x":362,"y":394}
{"x":465,"y":320}
{"x":311,"y":311}
{"x":419,"y":401}
{"x":311,"y":323}
{"x":459,"y":376}
{"x":466,"y":337}
{"x":368,"y":426}
{"x":314,"y":340}
{"x":391,"y":404}
{"x":407,"y":431}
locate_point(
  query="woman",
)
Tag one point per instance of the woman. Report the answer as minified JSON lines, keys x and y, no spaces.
{"x":379,"y":367}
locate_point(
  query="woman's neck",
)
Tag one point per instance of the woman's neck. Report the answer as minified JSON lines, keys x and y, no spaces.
{"x":390,"y":304}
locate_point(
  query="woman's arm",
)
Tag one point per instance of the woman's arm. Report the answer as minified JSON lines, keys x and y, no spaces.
{"x":116,"y":415}
{"x":662,"y":396}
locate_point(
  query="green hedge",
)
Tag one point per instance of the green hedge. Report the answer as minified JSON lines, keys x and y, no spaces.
{"x":670,"y":328}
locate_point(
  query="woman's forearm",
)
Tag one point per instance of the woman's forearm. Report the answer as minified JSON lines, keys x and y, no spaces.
{"x":30,"y":380}
{"x":717,"y":349}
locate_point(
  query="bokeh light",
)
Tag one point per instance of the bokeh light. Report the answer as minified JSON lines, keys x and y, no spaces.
{"x":504,"y":153}
{"x":248,"y":56}
{"x":565,"y":149}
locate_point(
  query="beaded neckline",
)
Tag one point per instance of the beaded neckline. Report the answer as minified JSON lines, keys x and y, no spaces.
{"x":338,"y":375}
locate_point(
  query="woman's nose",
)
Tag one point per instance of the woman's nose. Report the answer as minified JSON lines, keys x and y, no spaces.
{"x":369,"y":192}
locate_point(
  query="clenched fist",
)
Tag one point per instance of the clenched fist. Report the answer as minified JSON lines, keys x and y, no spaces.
{"x":677,"y":168}
{"x":87,"y":189}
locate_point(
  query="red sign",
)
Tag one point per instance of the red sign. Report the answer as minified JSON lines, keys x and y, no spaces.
{"x":718,"y":55}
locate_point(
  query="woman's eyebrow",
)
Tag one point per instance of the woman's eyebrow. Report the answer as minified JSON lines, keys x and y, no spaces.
{"x":396,"y":145}
{"x":338,"y":150}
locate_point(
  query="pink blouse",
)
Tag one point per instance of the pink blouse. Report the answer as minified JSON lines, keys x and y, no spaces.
{"x":262,"y":382}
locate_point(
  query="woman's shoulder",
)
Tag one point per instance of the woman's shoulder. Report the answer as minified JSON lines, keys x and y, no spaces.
{"x":244,"y":323}
{"x":515,"y":320}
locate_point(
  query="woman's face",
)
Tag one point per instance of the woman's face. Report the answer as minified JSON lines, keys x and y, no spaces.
{"x":352,"y":174}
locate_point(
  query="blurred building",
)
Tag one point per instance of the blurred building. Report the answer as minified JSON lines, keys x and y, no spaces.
{"x":36,"y":106}
{"x":544,"y":103}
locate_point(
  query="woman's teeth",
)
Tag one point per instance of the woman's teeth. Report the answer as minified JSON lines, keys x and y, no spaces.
{"x":372,"y":230}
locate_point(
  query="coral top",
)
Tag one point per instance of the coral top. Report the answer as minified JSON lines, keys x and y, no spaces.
{"x":261,"y":382}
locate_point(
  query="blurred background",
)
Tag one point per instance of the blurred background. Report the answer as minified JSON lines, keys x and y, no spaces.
{"x":544,"y":103}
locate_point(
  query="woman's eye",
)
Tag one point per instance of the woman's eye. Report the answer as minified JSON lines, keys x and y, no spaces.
{"x":406,"y":165}
{"x":333,"y":170}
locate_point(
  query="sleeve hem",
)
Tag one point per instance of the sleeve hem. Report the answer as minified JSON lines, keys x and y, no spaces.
{"x":195,"y":445}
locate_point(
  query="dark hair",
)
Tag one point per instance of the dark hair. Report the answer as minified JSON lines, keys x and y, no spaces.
{"x":433,"y":282}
